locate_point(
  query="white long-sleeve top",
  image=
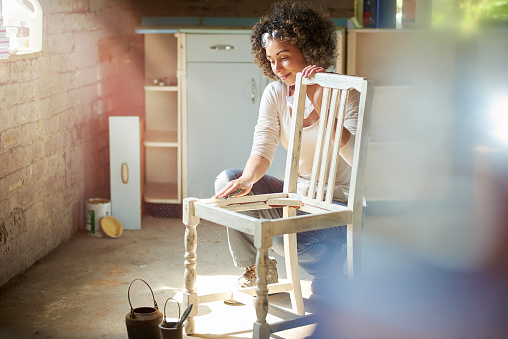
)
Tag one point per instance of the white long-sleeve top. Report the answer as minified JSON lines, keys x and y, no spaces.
{"x":274,"y":123}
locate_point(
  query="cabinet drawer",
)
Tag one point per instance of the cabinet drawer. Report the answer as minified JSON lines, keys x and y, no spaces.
{"x":219,"y":48}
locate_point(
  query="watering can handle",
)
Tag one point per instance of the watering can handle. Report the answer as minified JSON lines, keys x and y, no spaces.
{"x":129,"y":296}
{"x":179,"y":311}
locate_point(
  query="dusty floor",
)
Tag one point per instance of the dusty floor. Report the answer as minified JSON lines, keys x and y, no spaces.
{"x":80,"y":290}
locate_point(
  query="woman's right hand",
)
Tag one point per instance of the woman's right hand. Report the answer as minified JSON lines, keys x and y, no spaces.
{"x":254,"y":169}
{"x":235,"y":188}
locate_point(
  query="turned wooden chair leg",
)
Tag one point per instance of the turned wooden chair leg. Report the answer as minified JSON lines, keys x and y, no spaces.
{"x":261,"y":328}
{"x":191,"y":241}
{"x":263,"y":241}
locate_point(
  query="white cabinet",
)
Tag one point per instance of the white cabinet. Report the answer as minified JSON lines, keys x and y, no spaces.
{"x":223,"y":94}
{"x":409,"y":151}
{"x":125,"y":171}
{"x":201,"y":119}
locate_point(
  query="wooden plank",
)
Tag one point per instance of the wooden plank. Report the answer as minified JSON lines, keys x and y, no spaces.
{"x":281,"y":202}
{"x":182,"y":109}
{"x":336,"y":147}
{"x":295,"y":137}
{"x":292,"y":268}
{"x":224,"y":203}
{"x":335,"y":81}
{"x":354,"y":230}
{"x":310,"y":222}
{"x":325,"y":102}
{"x":327,"y":142}
{"x":323,"y":205}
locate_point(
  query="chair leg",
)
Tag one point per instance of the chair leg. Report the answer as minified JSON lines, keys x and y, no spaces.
{"x":354,"y":249}
{"x":293,"y":273}
{"x":190,"y":296}
{"x":261,"y":329}
{"x":292,"y":269}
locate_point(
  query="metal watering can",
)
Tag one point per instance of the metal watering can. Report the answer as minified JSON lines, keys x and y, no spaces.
{"x":173,"y":329}
{"x":170,"y":329}
{"x":143,"y":322}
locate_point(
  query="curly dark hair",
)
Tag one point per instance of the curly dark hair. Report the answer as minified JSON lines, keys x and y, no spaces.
{"x":311,"y":30}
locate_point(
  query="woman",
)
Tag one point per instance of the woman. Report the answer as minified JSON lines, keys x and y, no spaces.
{"x":291,"y":38}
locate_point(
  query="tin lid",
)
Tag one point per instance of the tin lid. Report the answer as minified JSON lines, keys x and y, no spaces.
{"x":111,"y":227}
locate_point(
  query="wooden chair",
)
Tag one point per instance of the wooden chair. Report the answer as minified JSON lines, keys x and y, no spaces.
{"x":318,"y":204}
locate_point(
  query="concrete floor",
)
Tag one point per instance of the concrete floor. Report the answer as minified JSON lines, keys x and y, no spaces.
{"x":80,"y":289}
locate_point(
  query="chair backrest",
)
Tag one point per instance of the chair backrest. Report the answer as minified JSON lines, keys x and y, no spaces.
{"x":336,"y":88}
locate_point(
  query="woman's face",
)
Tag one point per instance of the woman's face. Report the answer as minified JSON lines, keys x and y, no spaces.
{"x":286,"y":60}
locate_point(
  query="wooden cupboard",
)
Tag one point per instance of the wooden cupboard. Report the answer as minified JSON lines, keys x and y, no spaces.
{"x":202,"y":94}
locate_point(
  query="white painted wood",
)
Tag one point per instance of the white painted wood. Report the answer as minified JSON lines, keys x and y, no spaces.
{"x":158,"y":88}
{"x":191,"y":240}
{"x":218,"y":48}
{"x":335,"y":81}
{"x":329,"y":111}
{"x":225,"y":217}
{"x":221,"y":118}
{"x":295,"y":137}
{"x":310,"y":222}
{"x":245,"y":199}
{"x":161,"y":193}
{"x":162,"y":138}
{"x":292,"y":268}
{"x":322,"y":214}
{"x":163,"y":175}
{"x":261,"y":328}
{"x":336,"y":147}
{"x":182,"y":110}
{"x":325,"y":102}
{"x":356,"y":197}
{"x":124,"y":147}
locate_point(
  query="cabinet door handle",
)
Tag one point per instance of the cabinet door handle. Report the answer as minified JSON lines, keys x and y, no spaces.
{"x":125,"y":173}
{"x":222,"y":47}
{"x":252,"y":89}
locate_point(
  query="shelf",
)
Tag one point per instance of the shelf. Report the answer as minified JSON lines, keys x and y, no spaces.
{"x":161,"y":139}
{"x":161,"y":193}
{"x":158,"y":88}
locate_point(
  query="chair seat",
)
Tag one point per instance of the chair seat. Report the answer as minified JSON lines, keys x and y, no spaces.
{"x":224,"y":212}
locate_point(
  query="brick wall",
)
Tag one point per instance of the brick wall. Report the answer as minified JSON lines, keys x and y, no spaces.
{"x":54,"y":109}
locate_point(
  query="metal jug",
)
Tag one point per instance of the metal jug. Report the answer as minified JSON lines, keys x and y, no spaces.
{"x":143,"y":322}
{"x":170,"y":329}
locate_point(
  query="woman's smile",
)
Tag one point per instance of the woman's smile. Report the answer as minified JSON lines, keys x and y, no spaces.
{"x":284,"y":77}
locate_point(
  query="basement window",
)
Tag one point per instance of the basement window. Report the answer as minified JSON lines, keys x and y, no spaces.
{"x":20,"y":27}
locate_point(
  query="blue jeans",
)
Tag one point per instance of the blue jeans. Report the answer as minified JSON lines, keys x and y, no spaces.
{"x":320,"y":252}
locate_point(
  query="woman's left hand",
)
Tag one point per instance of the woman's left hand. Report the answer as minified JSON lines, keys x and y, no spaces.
{"x":310,"y":70}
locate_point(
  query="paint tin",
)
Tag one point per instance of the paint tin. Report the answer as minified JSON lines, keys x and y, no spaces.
{"x":95,"y":210}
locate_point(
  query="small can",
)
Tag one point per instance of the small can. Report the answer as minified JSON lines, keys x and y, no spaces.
{"x":96,"y":209}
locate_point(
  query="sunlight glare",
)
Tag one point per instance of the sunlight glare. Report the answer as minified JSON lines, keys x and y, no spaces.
{"x":500,"y":118}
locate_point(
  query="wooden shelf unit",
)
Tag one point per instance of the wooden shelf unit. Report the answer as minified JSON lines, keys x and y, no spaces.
{"x":162,"y":135}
